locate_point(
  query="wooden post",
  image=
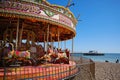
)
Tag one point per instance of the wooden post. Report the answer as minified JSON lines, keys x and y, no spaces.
{"x":92,"y":68}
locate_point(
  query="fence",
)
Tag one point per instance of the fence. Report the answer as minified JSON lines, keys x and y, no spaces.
{"x":86,"y":69}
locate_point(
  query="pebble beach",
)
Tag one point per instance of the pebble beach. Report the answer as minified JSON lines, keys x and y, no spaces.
{"x":107,"y":71}
{"x":103,"y":70}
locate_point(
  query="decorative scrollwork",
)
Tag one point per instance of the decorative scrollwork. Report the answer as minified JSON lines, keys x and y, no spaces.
{"x":49,"y":13}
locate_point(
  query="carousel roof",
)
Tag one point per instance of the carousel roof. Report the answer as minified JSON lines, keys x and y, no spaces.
{"x":35,"y":16}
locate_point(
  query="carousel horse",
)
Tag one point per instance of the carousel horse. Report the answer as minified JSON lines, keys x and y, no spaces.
{"x":51,"y":57}
{"x":47,"y":58}
{"x":11,"y":56}
{"x":67,"y":53}
{"x":62,"y":58}
{"x":8,"y":47}
{"x":23,"y":57}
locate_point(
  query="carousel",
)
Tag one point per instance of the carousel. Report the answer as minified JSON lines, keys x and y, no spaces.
{"x":23,"y":25}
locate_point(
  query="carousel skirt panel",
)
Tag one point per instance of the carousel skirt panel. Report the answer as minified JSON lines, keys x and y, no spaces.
{"x":41,"y":72}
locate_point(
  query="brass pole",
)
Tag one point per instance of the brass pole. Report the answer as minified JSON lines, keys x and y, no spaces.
{"x":11,"y":35}
{"x":65,"y":44}
{"x":17,"y":33}
{"x":47,"y":36}
{"x":51,"y":40}
{"x":44,"y":42}
{"x":58,"y":40}
{"x":72,"y":45}
{"x":20,"y":40}
{"x":61,"y":44}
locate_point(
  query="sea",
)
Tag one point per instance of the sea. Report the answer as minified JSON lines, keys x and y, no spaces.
{"x":110,"y":57}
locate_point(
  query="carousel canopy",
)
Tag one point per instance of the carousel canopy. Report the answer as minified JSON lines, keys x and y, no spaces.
{"x":34,"y":19}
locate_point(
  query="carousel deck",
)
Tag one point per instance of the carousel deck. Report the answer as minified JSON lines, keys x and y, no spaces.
{"x":41,"y":72}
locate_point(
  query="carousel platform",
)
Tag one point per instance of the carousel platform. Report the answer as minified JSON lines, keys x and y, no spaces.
{"x":41,"y":72}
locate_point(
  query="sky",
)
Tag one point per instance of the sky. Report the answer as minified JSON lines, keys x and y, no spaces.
{"x":99,"y":28}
